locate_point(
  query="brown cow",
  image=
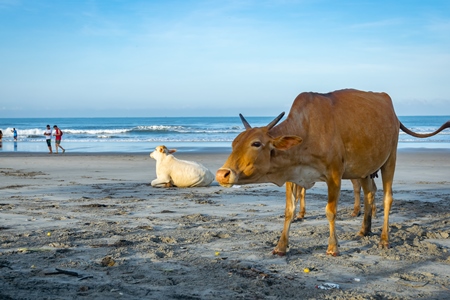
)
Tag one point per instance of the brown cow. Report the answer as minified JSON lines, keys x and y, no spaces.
{"x":346,"y":134}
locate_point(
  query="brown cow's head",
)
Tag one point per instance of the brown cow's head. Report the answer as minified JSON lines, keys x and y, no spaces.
{"x":253,"y":154}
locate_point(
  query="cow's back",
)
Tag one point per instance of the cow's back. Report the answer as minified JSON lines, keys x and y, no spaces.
{"x":190,"y":174}
{"x":358,"y":130}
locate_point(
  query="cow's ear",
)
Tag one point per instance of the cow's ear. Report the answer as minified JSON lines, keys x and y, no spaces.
{"x":172,"y":151}
{"x":286,"y":142}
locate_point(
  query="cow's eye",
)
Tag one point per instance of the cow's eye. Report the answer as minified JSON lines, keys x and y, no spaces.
{"x":256,"y":144}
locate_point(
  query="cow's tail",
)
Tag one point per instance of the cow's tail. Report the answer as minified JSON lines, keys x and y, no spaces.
{"x":424,"y":135}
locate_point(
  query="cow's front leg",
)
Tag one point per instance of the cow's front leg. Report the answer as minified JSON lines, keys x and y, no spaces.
{"x":334,"y":188}
{"x":163,"y":181}
{"x":289,"y":212}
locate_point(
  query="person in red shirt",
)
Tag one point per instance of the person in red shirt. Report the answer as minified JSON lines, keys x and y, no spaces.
{"x":58,"y":134}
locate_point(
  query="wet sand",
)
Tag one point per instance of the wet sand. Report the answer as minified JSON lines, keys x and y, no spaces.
{"x":96,"y":219}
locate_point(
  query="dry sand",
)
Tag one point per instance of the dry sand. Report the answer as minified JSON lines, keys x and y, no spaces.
{"x":96,"y":218}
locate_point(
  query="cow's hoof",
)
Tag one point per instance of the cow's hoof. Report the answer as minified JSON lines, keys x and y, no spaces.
{"x":384,"y":245}
{"x":363,"y":233}
{"x":356,"y":214}
{"x":277,"y":252}
{"x":333,"y":253}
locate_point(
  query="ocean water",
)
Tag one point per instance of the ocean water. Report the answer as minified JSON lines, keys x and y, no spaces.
{"x":186,"y":133}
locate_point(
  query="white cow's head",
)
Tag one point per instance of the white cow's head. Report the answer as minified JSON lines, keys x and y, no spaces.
{"x":161,"y":152}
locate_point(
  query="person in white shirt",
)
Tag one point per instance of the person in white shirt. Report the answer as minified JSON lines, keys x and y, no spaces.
{"x":48,"y":138}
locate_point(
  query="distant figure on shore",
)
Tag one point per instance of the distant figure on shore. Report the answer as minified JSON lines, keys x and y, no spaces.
{"x":48,"y":138}
{"x":58,"y":135}
{"x":1,"y":135}
{"x":14,"y":131}
{"x":180,"y":173}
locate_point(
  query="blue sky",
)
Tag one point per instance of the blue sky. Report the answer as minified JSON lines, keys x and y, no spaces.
{"x":77,"y":58}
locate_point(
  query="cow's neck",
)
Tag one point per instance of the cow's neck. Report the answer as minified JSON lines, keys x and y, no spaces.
{"x":289,"y":127}
{"x":293,"y":165}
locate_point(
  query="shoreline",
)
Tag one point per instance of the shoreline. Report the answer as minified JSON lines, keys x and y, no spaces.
{"x":195,"y":151}
{"x":142,"y":147}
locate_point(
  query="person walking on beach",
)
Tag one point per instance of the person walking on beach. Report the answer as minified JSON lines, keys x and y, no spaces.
{"x":48,"y":138}
{"x":14,"y":131}
{"x":58,"y":134}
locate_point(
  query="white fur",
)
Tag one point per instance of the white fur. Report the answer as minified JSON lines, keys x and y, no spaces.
{"x":171,"y":171}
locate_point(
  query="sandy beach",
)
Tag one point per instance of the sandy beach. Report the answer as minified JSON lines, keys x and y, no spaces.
{"x":90,"y":226}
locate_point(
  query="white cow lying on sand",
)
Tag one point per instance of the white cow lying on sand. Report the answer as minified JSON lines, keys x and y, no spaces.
{"x":180,"y":173}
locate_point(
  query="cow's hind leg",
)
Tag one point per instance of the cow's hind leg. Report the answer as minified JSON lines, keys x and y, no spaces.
{"x":291,"y":192}
{"x":334,"y":188}
{"x":374,"y":206}
{"x":357,"y":194}
{"x":387,"y":174}
{"x":300,"y":193}
{"x":369,"y":189}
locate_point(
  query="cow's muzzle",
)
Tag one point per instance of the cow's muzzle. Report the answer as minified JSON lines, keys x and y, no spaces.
{"x":226,"y":177}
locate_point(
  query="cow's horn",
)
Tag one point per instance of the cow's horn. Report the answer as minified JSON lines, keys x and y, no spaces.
{"x":275,"y":121}
{"x":244,"y":121}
